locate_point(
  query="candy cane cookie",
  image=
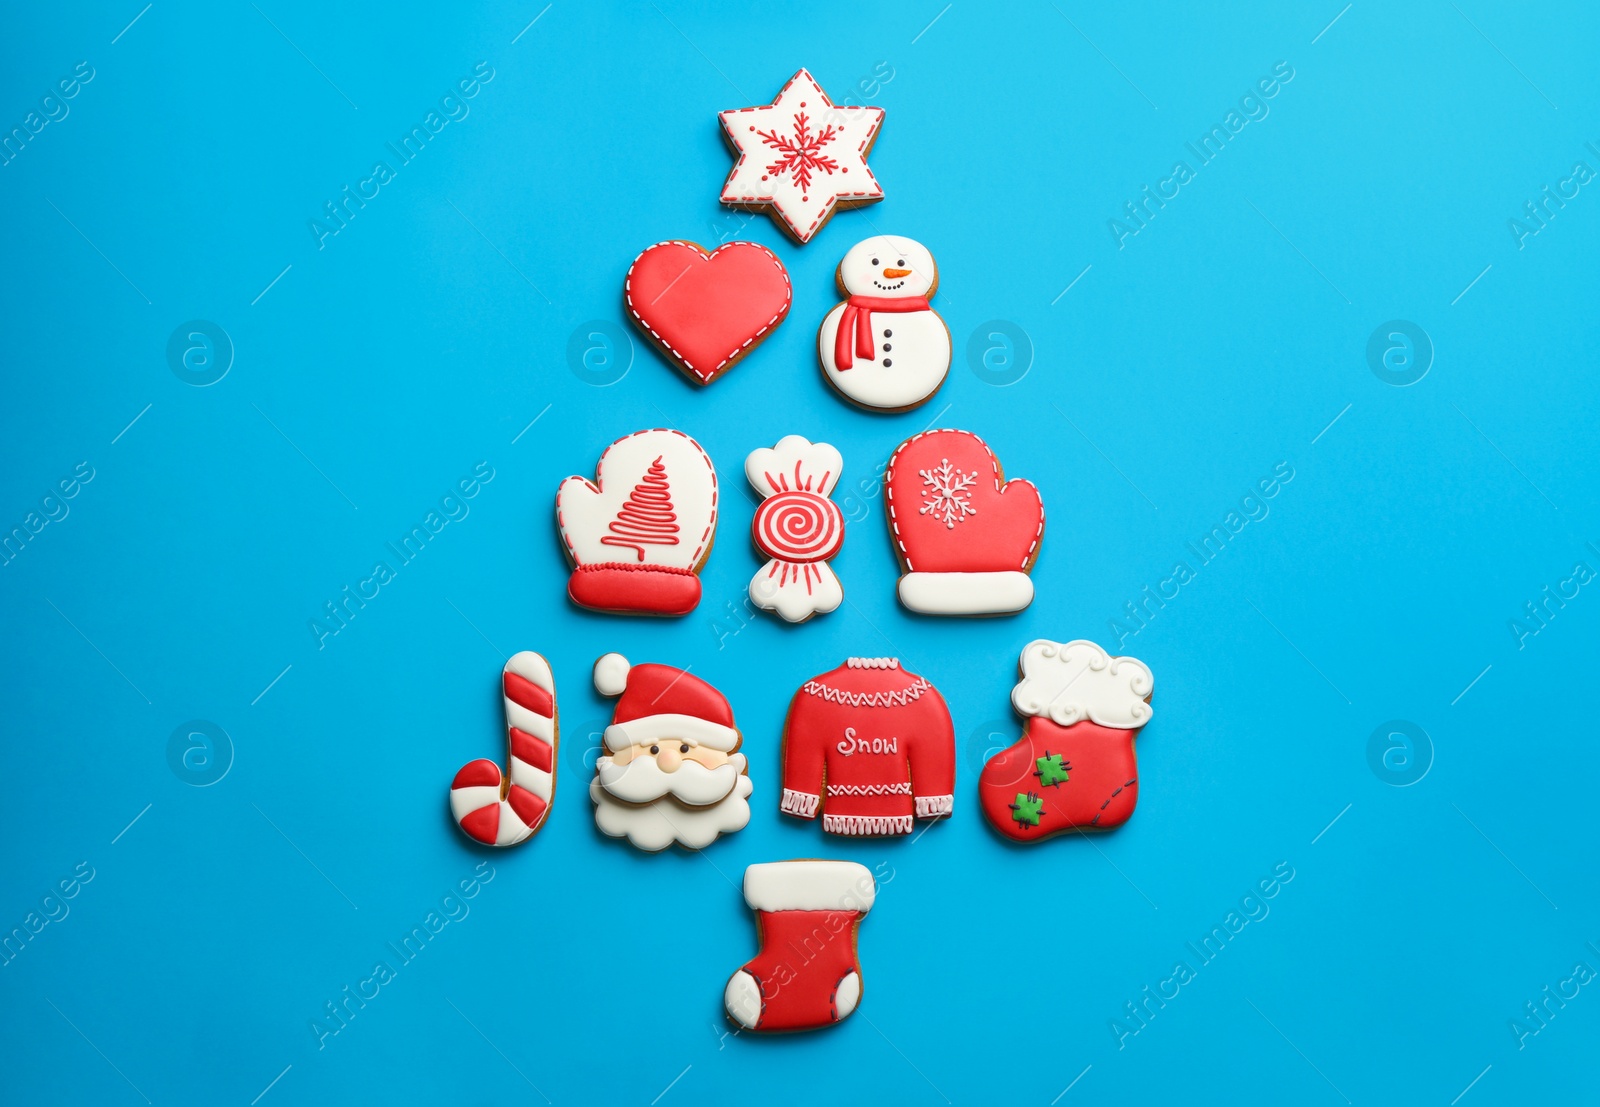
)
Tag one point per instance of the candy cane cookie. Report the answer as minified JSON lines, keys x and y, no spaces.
{"x":500,"y":810}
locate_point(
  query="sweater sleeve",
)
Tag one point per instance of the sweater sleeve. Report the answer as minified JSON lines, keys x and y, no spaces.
{"x":933,"y":759}
{"x":802,"y":757}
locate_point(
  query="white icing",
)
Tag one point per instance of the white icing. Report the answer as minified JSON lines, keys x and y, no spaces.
{"x":797,"y":591}
{"x":929,"y":807}
{"x":918,"y":341}
{"x":532,"y":668}
{"x":872,"y":662}
{"x":1072,"y":681}
{"x":847,"y":995}
{"x":655,"y":826}
{"x":802,"y":210}
{"x":809,"y":886}
{"x":671,"y":727}
{"x":794,"y":463}
{"x":966,"y":593}
{"x":801,"y":804}
{"x":611,"y":674}
{"x":742,"y":999}
{"x":585,"y":509}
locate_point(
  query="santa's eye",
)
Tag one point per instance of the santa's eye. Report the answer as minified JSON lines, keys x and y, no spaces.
{"x":874,"y":261}
{"x":684,"y":748}
{"x":655,"y":749}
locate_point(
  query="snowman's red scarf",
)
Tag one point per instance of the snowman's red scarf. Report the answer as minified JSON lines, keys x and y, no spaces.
{"x":856,"y":323}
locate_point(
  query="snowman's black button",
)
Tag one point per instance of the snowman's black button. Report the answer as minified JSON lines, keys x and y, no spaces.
{"x":888,"y":334}
{"x":887,"y":347}
{"x":887,"y":363}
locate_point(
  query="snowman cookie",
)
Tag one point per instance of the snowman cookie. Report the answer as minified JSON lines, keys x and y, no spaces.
{"x":885,"y":348}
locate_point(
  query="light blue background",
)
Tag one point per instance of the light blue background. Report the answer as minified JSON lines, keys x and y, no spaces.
{"x":1175,"y":373}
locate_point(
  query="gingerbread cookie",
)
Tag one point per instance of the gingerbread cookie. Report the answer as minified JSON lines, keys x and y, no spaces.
{"x":966,"y":537}
{"x":705,"y":310}
{"x":885,"y":348}
{"x":672,"y":770}
{"x":1074,"y":768}
{"x":502,"y":810}
{"x":801,"y":157}
{"x":639,"y":533}
{"x":808,"y":971}
{"x":797,"y":527}
{"x":871,"y":746}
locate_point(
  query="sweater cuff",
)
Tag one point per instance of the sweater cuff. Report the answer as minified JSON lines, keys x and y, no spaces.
{"x":804,"y":804}
{"x":929,"y":807}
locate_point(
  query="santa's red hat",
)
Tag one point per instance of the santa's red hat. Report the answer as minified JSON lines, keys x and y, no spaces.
{"x":660,"y":702}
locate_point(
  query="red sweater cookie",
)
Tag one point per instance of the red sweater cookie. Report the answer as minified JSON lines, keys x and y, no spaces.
{"x":872,"y":746}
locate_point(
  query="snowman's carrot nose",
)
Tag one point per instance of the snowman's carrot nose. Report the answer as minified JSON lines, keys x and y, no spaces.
{"x":891,"y":274}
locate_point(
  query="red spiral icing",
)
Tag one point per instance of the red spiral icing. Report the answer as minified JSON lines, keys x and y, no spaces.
{"x":647,"y":519}
{"x":798,"y":527}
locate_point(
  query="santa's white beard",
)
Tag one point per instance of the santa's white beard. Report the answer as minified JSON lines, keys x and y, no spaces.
{"x":642,"y":780}
{"x":655,"y":826}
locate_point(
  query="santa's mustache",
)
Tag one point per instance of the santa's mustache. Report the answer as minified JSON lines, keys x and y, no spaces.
{"x":643,"y":780}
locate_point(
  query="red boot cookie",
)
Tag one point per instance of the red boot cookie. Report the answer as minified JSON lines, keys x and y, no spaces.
{"x":638,"y":534}
{"x":807,"y":974}
{"x":1074,"y":768}
{"x":966,"y":537}
{"x":871,"y":746}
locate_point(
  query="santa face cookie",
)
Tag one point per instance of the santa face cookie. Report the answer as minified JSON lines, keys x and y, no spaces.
{"x":807,"y":973}
{"x":504,"y":809}
{"x":671,"y":771}
{"x":797,"y":528}
{"x":1074,"y":768}
{"x":870,"y":746}
{"x":885,"y":348}
{"x":966,"y":537}
{"x":705,"y":310}
{"x":639,"y":533}
{"x":801,"y":157}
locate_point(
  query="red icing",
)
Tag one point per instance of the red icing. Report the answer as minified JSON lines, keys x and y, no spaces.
{"x":798,"y":527}
{"x":1100,"y":792}
{"x":900,"y":742}
{"x":1003,"y":523}
{"x":647,"y":519}
{"x":856,"y":323}
{"x":483,"y":824}
{"x":522,"y":691}
{"x":477,"y":774}
{"x":654,"y":689}
{"x":707,"y":309}
{"x":627,"y":587}
{"x":535,"y":751}
{"x":529,"y":807}
{"x":804,"y":955}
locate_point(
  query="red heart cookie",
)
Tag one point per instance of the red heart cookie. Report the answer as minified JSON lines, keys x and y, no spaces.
{"x":705,"y":311}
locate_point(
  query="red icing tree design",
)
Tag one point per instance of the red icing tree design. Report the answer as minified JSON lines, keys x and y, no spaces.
{"x":802,"y":154}
{"x":647,"y":519}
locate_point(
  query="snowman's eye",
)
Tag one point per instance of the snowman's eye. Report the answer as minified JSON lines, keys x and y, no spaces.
{"x":901,"y":264}
{"x":874,"y":261}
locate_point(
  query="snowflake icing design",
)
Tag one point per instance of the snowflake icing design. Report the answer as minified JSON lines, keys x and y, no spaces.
{"x":801,"y":155}
{"x":949,"y":497}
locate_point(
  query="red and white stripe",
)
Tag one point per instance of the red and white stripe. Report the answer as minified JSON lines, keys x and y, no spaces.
{"x":500,"y":811}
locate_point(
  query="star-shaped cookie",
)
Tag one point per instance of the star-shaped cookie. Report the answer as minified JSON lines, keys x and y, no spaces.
{"x":801,"y":157}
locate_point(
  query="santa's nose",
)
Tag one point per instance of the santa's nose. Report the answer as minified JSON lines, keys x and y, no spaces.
{"x":891,"y":274}
{"x":669,"y":759}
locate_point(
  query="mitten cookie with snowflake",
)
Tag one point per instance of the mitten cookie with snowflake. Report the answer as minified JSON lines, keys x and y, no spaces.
{"x":966,"y":537}
{"x":638,"y":534}
{"x":1074,"y":768}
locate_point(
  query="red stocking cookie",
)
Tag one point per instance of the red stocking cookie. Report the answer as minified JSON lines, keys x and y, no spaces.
{"x":871,"y":746}
{"x":638,"y":534}
{"x":672,"y":770}
{"x":707,"y":309}
{"x":1074,"y":768}
{"x":807,"y":973}
{"x":796,"y":527}
{"x":502,"y":810}
{"x":801,"y":157}
{"x":966,"y":537}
